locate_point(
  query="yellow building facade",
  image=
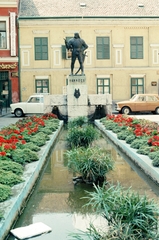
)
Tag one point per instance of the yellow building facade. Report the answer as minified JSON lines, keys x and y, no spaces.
{"x":122,"y":55}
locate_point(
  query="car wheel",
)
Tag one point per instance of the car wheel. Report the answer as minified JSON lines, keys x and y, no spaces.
{"x":125,"y":110}
{"x":18,"y":112}
{"x":157,"y":110}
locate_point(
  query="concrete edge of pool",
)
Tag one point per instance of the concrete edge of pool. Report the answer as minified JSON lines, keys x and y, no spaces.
{"x":143,"y":161}
{"x":12,"y":207}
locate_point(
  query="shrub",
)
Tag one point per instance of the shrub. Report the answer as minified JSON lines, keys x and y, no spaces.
{"x":46,"y":130}
{"x":5,"y":192}
{"x":11,"y":166}
{"x":29,"y":145}
{"x":129,"y":139}
{"x":109,"y":125}
{"x":9,"y":178}
{"x":155,"y":161}
{"x":81,"y":136}
{"x":138,"y":142}
{"x":153,"y":155}
{"x":123,"y":134}
{"x":144,"y":150}
{"x":91,"y":163}
{"x":24,"y":155}
{"x":52,"y":124}
{"x":40,"y":139}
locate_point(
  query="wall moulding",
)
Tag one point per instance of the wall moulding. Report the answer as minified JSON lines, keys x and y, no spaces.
{"x":102,"y":31}
{"x":71,"y":31}
{"x":118,"y":45}
{"x":136,"y":27}
{"x":41,"y":31}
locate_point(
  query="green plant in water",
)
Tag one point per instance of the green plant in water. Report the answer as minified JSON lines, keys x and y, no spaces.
{"x":81,"y":136}
{"x":90,"y":163}
{"x":129,"y":215}
{"x":77,"y":122}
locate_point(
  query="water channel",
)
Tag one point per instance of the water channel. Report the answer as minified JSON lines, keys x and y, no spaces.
{"x":57,"y":202}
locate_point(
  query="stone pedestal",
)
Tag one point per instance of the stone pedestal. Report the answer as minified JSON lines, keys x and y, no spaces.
{"x":77,"y":96}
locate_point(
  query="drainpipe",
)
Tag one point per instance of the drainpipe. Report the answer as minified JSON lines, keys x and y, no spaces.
{"x":19,"y":61}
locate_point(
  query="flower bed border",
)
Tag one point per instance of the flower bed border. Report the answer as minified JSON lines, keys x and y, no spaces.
{"x":143,"y":161}
{"x":13,"y":206}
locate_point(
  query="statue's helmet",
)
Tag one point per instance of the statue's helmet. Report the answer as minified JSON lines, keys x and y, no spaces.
{"x":76,"y":35}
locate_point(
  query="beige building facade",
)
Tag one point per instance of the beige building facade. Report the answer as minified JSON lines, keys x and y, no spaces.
{"x":122,"y":56}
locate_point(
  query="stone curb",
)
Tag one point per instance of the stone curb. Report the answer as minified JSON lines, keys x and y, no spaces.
{"x":143,"y":161}
{"x":13,"y":206}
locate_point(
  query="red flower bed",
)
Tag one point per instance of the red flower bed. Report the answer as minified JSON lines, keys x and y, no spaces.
{"x":13,"y":134}
{"x":139,"y":127}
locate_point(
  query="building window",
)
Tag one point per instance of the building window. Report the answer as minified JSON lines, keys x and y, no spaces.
{"x":137,"y":86}
{"x":3,"y":37}
{"x":42,"y":86}
{"x":136,"y":47}
{"x":41,"y":48}
{"x":103,"y":48}
{"x":103,"y":85}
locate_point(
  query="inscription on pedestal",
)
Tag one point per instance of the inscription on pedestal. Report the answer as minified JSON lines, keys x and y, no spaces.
{"x":76,"y":79}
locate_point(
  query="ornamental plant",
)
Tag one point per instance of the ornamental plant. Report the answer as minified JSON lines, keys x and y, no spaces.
{"x":129,"y":215}
{"x":90,"y":163}
{"x":141,"y":134}
{"x":81,"y":136}
{"x":19,"y":144}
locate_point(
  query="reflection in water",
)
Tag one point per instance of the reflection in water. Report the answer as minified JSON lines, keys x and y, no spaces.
{"x":57,"y":202}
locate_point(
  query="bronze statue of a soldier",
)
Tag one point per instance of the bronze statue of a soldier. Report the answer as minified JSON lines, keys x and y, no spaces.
{"x":77,"y":47}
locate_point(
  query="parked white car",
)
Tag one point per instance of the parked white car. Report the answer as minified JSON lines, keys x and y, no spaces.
{"x":34,"y":105}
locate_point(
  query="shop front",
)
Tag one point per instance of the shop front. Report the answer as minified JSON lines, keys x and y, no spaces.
{"x":9,"y":84}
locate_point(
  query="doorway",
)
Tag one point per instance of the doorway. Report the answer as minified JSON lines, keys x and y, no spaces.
{"x":5,"y":88}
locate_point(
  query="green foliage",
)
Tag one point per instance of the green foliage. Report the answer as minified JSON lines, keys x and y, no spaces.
{"x":26,"y":137}
{"x":123,"y":134}
{"x":29,"y":145}
{"x":9,"y":178}
{"x":5,"y":193}
{"x":139,"y":142}
{"x":129,"y":215}
{"x":154,"y":155}
{"x":46,"y":130}
{"x":118,"y":128}
{"x":1,"y":215}
{"x":91,"y":163}
{"x":129,"y":139}
{"x":51,"y":124}
{"x":110,"y":125}
{"x":23,"y":156}
{"x":144,"y":150}
{"x":40,"y":139}
{"x":77,"y":122}
{"x":155,"y":162}
{"x":11,"y":166}
{"x":81,"y":136}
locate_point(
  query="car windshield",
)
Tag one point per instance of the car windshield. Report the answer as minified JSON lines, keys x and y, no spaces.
{"x":133,"y":97}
